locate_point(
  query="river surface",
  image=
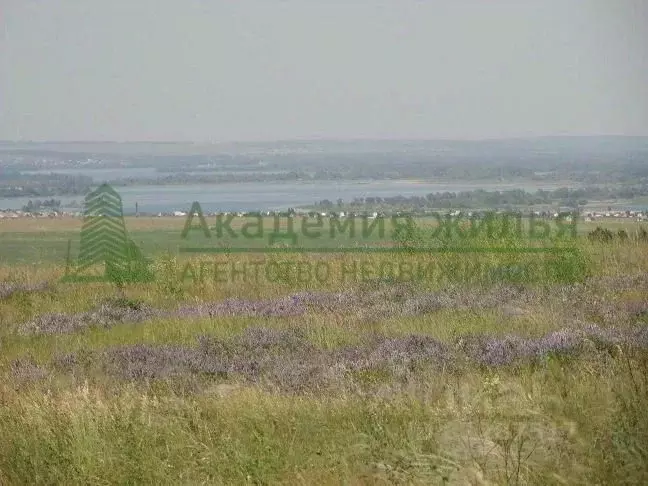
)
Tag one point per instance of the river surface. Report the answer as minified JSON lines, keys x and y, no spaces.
{"x":268,"y":196}
{"x":151,"y":173}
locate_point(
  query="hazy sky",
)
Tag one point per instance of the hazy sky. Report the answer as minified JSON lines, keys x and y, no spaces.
{"x":267,"y":69}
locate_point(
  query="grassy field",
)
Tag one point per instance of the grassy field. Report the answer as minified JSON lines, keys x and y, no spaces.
{"x":350,"y":379}
{"x":45,"y":241}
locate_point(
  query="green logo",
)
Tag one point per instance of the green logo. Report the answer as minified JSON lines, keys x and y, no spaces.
{"x":105,"y":244}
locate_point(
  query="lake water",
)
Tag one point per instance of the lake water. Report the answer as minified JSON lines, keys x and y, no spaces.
{"x":268,"y":196}
{"x":103,"y":175}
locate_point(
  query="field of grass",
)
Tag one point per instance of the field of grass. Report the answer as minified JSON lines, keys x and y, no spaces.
{"x":350,"y":379}
{"x":45,"y":241}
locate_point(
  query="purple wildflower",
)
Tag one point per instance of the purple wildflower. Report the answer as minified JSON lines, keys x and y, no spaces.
{"x":7,"y":289}
{"x":26,"y":369}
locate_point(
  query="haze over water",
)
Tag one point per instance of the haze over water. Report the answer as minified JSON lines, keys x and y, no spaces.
{"x":268,"y":196}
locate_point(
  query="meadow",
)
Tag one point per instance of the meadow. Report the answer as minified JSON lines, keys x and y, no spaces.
{"x":357,"y":378}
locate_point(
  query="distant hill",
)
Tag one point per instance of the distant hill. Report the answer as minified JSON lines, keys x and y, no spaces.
{"x":587,"y":144}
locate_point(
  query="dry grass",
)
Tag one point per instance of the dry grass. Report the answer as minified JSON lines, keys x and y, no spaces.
{"x":373,"y":383}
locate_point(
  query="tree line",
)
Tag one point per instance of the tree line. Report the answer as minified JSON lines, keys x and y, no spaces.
{"x":479,"y":198}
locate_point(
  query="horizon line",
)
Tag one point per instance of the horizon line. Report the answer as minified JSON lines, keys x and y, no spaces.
{"x":322,"y":139}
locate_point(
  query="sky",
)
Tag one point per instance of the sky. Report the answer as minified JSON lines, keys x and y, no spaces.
{"x":260,"y":70}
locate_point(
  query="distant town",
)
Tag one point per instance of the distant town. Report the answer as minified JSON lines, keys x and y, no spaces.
{"x":590,"y":216}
